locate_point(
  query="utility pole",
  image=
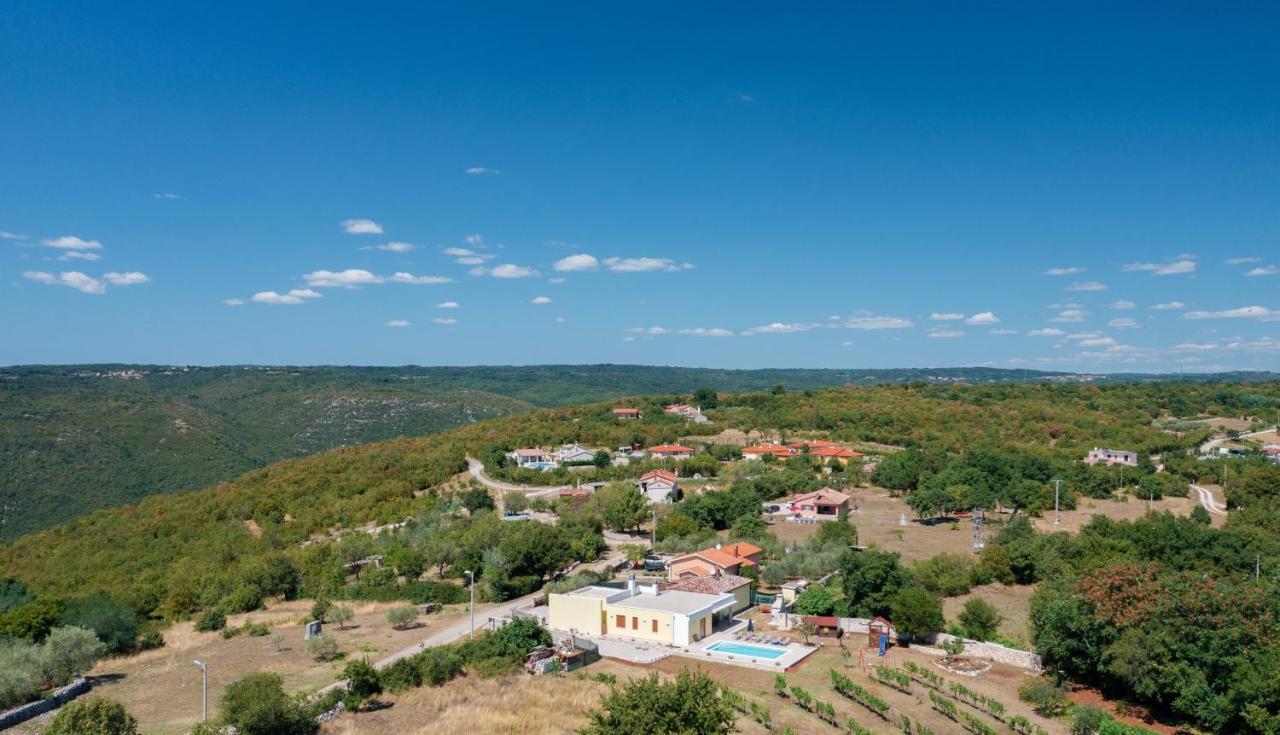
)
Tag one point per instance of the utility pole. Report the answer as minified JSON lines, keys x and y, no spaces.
{"x":1057,"y":491}
{"x":204,"y":689}
{"x":471,"y":575}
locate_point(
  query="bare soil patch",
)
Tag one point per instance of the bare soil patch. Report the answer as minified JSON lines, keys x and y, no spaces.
{"x":1010,"y":601}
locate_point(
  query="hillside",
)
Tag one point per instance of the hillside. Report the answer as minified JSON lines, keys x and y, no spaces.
{"x":74,"y":439}
{"x":165,"y":548}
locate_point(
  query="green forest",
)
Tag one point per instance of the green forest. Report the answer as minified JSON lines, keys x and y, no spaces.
{"x":1165,"y":611}
{"x":78,"y":438}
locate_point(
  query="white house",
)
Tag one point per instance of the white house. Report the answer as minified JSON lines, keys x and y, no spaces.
{"x":659,"y":486}
{"x":525,"y":457}
{"x":1099,"y":455}
{"x":576,"y":453}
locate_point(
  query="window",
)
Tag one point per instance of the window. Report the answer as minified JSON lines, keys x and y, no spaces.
{"x":655,"y":625}
{"x":635,"y":623}
{"x":620,"y":622}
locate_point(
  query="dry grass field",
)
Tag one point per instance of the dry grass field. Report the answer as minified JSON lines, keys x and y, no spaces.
{"x":162,"y":687}
{"x":1011,"y":602}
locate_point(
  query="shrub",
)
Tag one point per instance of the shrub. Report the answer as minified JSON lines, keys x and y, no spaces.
{"x":68,"y":651}
{"x":980,"y":619}
{"x":401,"y":675}
{"x":322,"y":647}
{"x":211,"y":619}
{"x":113,"y":623}
{"x":1087,"y":720}
{"x":150,"y":640}
{"x":404,"y":616}
{"x":340,"y":615}
{"x":258,"y":705}
{"x":320,"y":608}
{"x":437,"y":666}
{"x":1045,"y":697}
{"x":93,"y":716}
{"x":363,"y":683}
{"x":917,"y":613}
{"x":689,"y":703}
{"x":520,"y":636}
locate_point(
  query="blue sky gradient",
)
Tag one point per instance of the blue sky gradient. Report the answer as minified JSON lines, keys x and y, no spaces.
{"x":780,"y":187}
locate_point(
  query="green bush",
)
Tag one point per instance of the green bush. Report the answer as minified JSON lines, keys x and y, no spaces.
{"x":93,"y":716}
{"x":1045,"y":697}
{"x":258,"y":705}
{"x":1087,"y":720}
{"x":322,"y":647}
{"x":437,"y":666}
{"x":211,"y":619}
{"x":402,"y":675}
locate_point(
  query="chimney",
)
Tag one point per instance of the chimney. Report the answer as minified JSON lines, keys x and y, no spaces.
{"x":717,"y":546}
{"x":631,"y":583}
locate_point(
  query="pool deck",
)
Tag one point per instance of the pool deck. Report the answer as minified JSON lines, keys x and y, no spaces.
{"x":793,"y":654}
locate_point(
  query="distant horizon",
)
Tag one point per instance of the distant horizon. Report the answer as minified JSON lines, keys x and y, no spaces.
{"x":355,"y":366}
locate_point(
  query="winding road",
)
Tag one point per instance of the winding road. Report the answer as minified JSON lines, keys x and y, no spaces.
{"x":476,"y":468}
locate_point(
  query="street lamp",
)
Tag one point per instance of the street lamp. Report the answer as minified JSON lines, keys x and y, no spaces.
{"x":204,"y":690}
{"x":1057,"y":489}
{"x":471,"y":575}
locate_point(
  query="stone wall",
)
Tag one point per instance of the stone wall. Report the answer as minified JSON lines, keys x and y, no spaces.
{"x":19,"y":715}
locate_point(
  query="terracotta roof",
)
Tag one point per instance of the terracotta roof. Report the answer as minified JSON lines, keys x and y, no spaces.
{"x":768,"y":449}
{"x":669,"y":449}
{"x":742,"y":549}
{"x":1271,"y":448}
{"x":677,"y":407}
{"x":834,"y":452}
{"x":659,"y":475}
{"x":825,"y":496}
{"x":717,"y":584}
{"x":532,"y":453}
{"x":626,"y":410}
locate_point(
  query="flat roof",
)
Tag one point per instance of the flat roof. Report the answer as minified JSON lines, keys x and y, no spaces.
{"x":684,"y":603}
{"x":602,"y":593}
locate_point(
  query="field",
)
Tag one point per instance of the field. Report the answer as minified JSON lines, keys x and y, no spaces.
{"x":162,"y":687}
{"x":547,"y":706}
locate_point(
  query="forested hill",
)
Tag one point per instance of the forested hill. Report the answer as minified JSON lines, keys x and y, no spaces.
{"x":78,"y":438}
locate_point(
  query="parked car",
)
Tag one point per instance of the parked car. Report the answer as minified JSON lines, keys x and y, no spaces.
{"x":654,"y":563}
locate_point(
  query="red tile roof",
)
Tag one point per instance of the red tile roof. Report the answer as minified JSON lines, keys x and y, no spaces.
{"x":825,"y":496}
{"x":713,"y":585}
{"x":627,"y":411}
{"x":835,"y":452}
{"x":669,"y":449}
{"x":667,"y":475}
{"x":776,"y":449}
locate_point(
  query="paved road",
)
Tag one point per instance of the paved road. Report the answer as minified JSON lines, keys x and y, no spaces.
{"x":455,"y":632}
{"x":1209,"y":502}
{"x":476,"y":468}
{"x":1217,"y":441}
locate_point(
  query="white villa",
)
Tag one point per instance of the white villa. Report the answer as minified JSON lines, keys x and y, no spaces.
{"x":1099,"y":455}
{"x":575,"y":453}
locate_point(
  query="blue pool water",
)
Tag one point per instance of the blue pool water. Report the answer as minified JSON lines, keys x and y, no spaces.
{"x":746,"y":649}
{"x":541,"y":465}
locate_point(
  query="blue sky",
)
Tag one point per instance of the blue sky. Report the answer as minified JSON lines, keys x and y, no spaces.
{"x":708,"y":184}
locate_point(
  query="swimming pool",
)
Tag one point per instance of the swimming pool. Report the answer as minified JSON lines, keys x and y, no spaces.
{"x":544,"y":466}
{"x":746,"y":649}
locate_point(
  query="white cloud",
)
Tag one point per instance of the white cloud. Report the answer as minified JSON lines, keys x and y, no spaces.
{"x":409,"y":278}
{"x":349,"y":278}
{"x":580,"y":262}
{"x":1172,"y":268}
{"x":294,"y":297}
{"x":11,"y":236}
{"x":1002,"y":332}
{"x":946,"y":333}
{"x":1087,"y":286}
{"x":481,"y":171}
{"x":167,"y":195}
{"x":1245,"y":312}
{"x":985,"y":317}
{"x":398,"y":323}
{"x":644,"y":265}
{"x":396,"y":247}
{"x":507,"y":270}
{"x":72,"y":279}
{"x":1068,"y":271}
{"x":70,"y":242}
{"x":1098,"y":342}
{"x":1070,"y":316}
{"x":949,"y":316}
{"x":540,"y":300}
{"x":444,"y":320}
{"x":1266,"y":270}
{"x":1171,"y":306}
{"x":448,"y":305}
{"x":870,"y":322}
{"x":1242,"y":261}
{"x":1196,"y":347}
{"x":466,"y":256}
{"x":233,"y":302}
{"x":88,"y":255}
{"x":781,"y":328}
{"x":1047,"y":332}
{"x":361,"y":227}
{"x":1123,"y":323}
{"x":131,"y":278}
{"x":474,"y":239}
{"x":1122,"y":304}
{"x":707,"y":332}
{"x":653,"y":331}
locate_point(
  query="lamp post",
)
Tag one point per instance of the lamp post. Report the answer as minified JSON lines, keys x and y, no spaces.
{"x":471,"y":576}
{"x":1057,"y":489}
{"x":204,"y":689}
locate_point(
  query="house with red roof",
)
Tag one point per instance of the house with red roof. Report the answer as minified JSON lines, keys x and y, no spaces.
{"x":720,"y":559}
{"x":659,"y":486}
{"x":760,"y":451}
{"x":843,"y":455}
{"x":670,"y":451}
{"x":1272,"y":452}
{"x":628,"y":414}
{"x":716,"y":584}
{"x":820,"y":505}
